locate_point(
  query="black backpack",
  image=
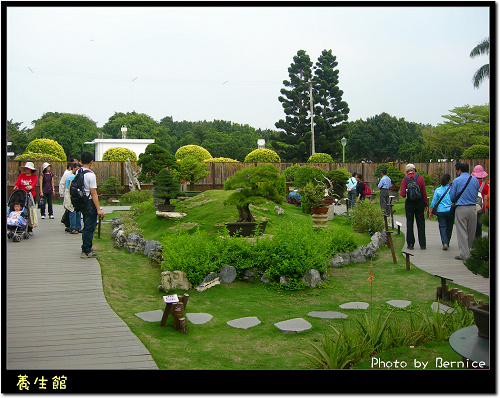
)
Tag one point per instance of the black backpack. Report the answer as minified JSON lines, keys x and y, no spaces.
{"x":413,"y":191}
{"x":79,"y":199}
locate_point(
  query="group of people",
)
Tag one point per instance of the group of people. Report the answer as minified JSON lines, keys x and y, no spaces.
{"x":28,"y":179}
{"x":356,"y":190}
{"x":460,"y":203}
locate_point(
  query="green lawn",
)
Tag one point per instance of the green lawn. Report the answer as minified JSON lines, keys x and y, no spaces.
{"x":130,"y":284}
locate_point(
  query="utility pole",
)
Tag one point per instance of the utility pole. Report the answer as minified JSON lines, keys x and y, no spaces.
{"x":313,"y":148}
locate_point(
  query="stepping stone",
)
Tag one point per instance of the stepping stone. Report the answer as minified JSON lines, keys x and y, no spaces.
{"x":327,"y":314}
{"x":399,"y":303}
{"x":295,"y":325}
{"x":442,"y":308}
{"x":355,"y":305}
{"x":244,"y":323}
{"x":198,"y":318}
{"x":150,"y":316}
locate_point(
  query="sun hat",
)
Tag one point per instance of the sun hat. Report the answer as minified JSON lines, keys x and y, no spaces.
{"x":45,"y":165}
{"x":410,"y":166}
{"x":479,"y":172}
{"x":29,"y":165}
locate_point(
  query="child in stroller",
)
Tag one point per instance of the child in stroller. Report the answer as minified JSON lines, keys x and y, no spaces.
{"x":18,"y":212}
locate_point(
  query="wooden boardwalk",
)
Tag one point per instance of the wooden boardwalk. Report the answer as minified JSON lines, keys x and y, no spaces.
{"x":437,"y":261}
{"x":57,"y":315}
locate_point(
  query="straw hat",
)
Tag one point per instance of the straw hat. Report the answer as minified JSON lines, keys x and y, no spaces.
{"x":29,"y":165}
{"x":479,"y":172}
{"x":45,"y":165}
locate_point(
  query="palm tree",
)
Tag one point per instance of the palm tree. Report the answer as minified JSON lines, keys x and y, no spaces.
{"x":484,"y":71}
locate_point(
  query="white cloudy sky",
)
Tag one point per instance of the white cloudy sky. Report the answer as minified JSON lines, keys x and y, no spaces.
{"x":410,"y":62}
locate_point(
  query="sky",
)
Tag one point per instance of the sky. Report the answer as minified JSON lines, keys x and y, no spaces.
{"x":229,"y":63}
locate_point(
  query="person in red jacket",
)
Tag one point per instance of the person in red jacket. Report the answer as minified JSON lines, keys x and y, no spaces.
{"x":27,"y":182}
{"x":415,"y":209}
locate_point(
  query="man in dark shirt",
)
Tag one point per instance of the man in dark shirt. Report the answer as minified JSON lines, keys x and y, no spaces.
{"x":415,"y":209}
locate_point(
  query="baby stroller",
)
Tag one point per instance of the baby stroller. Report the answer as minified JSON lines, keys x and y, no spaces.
{"x":15,"y":232}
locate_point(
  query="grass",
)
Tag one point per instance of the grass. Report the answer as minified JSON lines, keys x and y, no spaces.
{"x":130,"y":284}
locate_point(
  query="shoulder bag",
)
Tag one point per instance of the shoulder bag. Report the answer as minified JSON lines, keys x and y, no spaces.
{"x":434,"y":209}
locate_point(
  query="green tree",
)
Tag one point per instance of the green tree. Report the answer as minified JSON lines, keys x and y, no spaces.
{"x":71,"y":131}
{"x":19,"y":137}
{"x":483,"y":48}
{"x":153,"y":160}
{"x":191,"y":169}
{"x":166,"y":186}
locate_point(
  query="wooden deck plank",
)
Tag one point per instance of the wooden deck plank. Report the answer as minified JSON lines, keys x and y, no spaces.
{"x":57,"y":315}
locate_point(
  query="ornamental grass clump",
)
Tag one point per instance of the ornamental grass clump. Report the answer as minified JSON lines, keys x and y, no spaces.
{"x":365,"y":216}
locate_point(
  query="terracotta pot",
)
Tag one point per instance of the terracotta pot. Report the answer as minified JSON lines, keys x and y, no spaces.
{"x":165,"y":207}
{"x":245,"y":228}
{"x":328,"y":201}
{"x":319,"y":210}
{"x":482,"y":319}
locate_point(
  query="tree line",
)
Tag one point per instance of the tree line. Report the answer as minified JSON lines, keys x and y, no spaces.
{"x":380,"y":138}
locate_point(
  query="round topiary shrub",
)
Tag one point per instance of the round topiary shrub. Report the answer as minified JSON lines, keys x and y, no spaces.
{"x":221,"y":160}
{"x":319,"y":157}
{"x":263,"y":155}
{"x":37,"y":157}
{"x":477,"y":152}
{"x":118,"y":154}
{"x":47,"y":146}
{"x":197,"y":151}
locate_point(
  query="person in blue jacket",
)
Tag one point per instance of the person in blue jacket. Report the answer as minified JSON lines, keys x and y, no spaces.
{"x":445,"y":212}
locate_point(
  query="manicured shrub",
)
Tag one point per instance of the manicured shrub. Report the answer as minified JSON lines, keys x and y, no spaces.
{"x":37,"y":157}
{"x":136,"y":196}
{"x":289,"y":172}
{"x":308,"y":174}
{"x":197,"y":151}
{"x":477,"y":152}
{"x":118,"y":154}
{"x":111,"y":186}
{"x":263,"y":155}
{"x":365,"y":216}
{"x":221,"y":160}
{"x":47,"y":146}
{"x":319,"y":157}
{"x":479,"y":260}
{"x":191,"y":169}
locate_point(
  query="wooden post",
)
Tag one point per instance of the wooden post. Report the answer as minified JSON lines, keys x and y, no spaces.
{"x":408,"y":260}
{"x":444,"y":286}
{"x":389,"y":242}
{"x":213,"y":175}
{"x":99,"y":228}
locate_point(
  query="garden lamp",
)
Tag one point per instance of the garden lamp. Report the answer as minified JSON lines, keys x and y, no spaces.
{"x":343,"y":141}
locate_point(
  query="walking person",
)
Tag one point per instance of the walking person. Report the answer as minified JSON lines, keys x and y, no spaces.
{"x":92,"y":210}
{"x":75,"y":217}
{"x":484,"y":190}
{"x":360,"y":188}
{"x":351,"y":190}
{"x":384,"y":185}
{"x":441,"y":206}
{"x":26,"y":181}
{"x":62,"y":188}
{"x":416,"y":204}
{"x":463,"y":194}
{"x":47,"y":190}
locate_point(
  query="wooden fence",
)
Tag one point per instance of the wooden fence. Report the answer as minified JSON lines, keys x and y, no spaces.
{"x":220,"y":172}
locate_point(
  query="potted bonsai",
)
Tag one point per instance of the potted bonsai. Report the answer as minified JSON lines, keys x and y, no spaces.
{"x":111,"y":189}
{"x":312,"y":198}
{"x":165,"y":188}
{"x":254,"y":185}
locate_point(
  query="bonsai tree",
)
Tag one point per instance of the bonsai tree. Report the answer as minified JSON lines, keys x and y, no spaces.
{"x":255,"y":185}
{"x":166,"y":186}
{"x":153,"y":160}
{"x":111,"y":186}
{"x":312,"y":196}
{"x":191,"y":170}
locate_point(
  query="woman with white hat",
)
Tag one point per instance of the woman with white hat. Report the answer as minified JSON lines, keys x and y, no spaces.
{"x":27,"y":181}
{"x":47,"y":189}
{"x":484,"y":190}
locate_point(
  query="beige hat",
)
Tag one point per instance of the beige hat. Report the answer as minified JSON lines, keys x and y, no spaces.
{"x":45,"y":165}
{"x":410,"y":166}
{"x":29,"y":165}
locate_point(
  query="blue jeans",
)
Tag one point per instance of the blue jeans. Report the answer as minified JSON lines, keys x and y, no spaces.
{"x":89,"y":225}
{"x":445,"y":221}
{"x":75,"y":221}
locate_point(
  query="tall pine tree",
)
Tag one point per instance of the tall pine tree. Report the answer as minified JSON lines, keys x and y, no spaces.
{"x":294,"y":142}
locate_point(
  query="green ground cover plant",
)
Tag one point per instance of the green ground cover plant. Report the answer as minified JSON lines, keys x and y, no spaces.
{"x":130,"y":283}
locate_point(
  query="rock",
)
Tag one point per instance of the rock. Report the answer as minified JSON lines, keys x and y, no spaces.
{"x":312,"y":277}
{"x":355,"y":305}
{"x":279,"y":210}
{"x":120,"y":239}
{"x":295,"y":325}
{"x":171,"y":215}
{"x":227,"y":274}
{"x":248,"y":275}
{"x":151,"y":245}
{"x":198,"y":318}
{"x":336,"y":261}
{"x":115,"y":231}
{"x":132,"y":240}
{"x":327,"y":314}
{"x":210,"y":277}
{"x":358,"y":255}
{"x":399,"y":303}
{"x":174,"y":280}
{"x":207,"y":285}
{"x":284,"y":280}
{"x":244,"y":323}
{"x":150,"y":316}
{"x":331,"y":213}
{"x":265,"y":279}
{"x":115,"y":221}
{"x":141,"y":244}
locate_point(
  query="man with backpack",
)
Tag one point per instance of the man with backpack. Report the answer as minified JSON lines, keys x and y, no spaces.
{"x":88,"y":203}
{"x":416,"y":204}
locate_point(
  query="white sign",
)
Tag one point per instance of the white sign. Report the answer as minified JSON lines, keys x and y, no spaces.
{"x":399,"y":224}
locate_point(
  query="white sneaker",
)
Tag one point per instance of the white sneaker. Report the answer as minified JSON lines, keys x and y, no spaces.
{"x":51,"y":217}
{"x":43,"y":217}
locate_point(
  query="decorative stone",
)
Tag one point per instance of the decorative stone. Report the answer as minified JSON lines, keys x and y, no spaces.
{"x":152,"y":245}
{"x":295,"y":325}
{"x":174,"y":280}
{"x":121,"y":239}
{"x":336,"y":261}
{"x":279,"y":210}
{"x":244,"y":323}
{"x":141,"y":245}
{"x":265,"y":279}
{"x":327,"y":314}
{"x":355,"y":305}
{"x":132,"y":240}
{"x":312,"y":277}
{"x":443,"y":309}
{"x":198,"y":318}
{"x":150,"y":316}
{"x":171,"y":215}
{"x":399,"y":303}
{"x":284,"y":280}
{"x":209,"y":281}
{"x":248,"y":275}
{"x":227,"y":274}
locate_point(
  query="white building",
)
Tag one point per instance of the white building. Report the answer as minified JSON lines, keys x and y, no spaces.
{"x":138,"y":146}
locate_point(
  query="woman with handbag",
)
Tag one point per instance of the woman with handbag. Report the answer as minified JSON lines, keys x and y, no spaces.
{"x":46,"y":190}
{"x":441,"y":206}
